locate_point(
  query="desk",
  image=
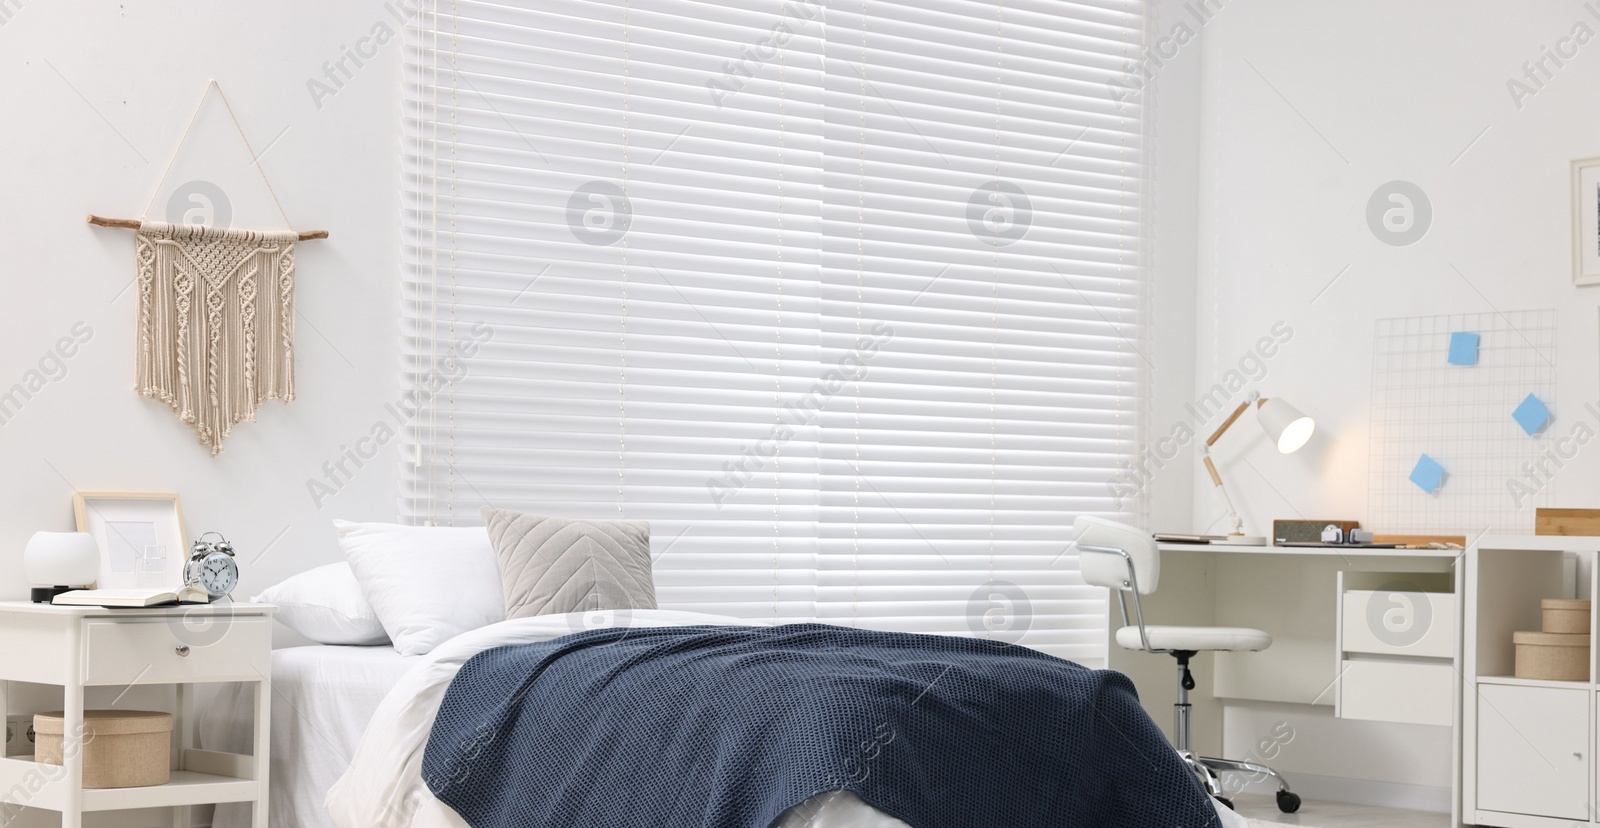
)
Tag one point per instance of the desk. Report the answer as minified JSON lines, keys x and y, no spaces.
{"x":1293,"y":593}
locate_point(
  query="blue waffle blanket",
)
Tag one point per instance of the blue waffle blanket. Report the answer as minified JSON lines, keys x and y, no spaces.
{"x":729,"y":727}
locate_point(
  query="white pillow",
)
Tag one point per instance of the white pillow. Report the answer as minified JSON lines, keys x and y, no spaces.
{"x":326,"y":605}
{"x":427,"y":584}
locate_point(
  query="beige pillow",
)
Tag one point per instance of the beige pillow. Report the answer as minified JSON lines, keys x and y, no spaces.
{"x":551,"y":565}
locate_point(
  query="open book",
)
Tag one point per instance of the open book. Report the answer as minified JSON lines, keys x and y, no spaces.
{"x":132,"y":597}
{"x":1180,"y":537}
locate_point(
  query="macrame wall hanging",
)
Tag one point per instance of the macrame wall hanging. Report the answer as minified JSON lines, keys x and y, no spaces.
{"x":215,"y":326}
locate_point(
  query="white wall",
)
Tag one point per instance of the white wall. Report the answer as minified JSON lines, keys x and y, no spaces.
{"x":95,"y":96}
{"x":1309,"y":107}
{"x":1174,"y":95}
{"x":1306,"y":108}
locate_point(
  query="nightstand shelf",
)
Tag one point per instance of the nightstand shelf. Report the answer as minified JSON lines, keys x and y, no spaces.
{"x":185,"y":788}
{"x":78,"y":647}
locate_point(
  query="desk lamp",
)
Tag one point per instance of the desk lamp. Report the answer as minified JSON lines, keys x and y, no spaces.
{"x":1289,"y":430}
{"x":58,"y":562}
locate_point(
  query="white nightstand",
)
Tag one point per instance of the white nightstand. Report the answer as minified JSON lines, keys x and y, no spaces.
{"x":78,"y":647}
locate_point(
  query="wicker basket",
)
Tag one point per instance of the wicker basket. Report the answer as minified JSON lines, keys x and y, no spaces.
{"x":122,"y":748}
{"x":1562,"y":615}
{"x":1549,"y":656}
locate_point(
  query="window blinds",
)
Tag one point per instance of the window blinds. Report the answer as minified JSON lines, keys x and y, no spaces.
{"x":842,"y":297}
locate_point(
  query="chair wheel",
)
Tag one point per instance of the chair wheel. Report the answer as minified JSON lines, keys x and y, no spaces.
{"x":1228,"y":802}
{"x":1288,"y":801}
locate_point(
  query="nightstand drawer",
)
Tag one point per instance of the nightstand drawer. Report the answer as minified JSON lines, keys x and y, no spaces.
{"x":159,"y":652}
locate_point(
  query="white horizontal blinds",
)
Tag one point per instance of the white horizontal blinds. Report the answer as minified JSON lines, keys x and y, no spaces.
{"x":724,"y":301}
{"x":424,"y":374}
{"x":981,"y":226}
{"x":629,"y":197}
{"x":703,"y":262}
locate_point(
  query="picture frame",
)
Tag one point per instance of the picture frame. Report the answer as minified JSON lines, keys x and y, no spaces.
{"x":1586,"y":221}
{"x":140,"y":535}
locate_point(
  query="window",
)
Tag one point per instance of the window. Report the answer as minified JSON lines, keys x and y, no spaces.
{"x":843,"y":298}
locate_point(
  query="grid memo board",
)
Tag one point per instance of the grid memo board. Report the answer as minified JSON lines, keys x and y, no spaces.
{"x":1460,"y":415}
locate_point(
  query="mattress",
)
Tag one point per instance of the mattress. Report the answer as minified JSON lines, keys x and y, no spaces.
{"x":322,"y":700}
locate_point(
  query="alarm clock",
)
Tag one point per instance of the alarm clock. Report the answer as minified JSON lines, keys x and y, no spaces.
{"x":212,"y":566}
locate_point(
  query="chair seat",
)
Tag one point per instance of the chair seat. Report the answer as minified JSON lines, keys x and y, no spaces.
{"x":1229,"y":639}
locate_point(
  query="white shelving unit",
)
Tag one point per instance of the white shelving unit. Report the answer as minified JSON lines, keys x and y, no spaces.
{"x":75,"y":648}
{"x":1527,"y":746}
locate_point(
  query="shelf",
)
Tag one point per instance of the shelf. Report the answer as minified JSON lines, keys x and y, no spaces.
{"x":139,"y":613}
{"x":1349,"y":552}
{"x":185,"y":788}
{"x":1539,"y":543}
{"x":1513,"y":681}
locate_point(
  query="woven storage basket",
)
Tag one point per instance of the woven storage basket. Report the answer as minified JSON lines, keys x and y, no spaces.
{"x":1550,"y":656}
{"x":1563,"y":615}
{"x":123,"y":748}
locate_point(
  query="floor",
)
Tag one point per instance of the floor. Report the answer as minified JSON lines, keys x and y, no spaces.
{"x":1337,"y":815}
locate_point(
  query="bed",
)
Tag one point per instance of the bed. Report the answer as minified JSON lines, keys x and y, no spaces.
{"x":351,"y":724}
{"x":322,"y":699}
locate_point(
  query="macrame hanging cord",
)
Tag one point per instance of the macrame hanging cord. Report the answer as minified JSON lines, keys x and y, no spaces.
{"x":216,"y":317}
{"x":216,"y":323}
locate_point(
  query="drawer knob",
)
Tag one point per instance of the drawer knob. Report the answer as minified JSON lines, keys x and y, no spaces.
{"x":182,"y":651}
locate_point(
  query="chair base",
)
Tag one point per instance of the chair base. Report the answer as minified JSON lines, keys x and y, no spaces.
{"x":1209,"y":769}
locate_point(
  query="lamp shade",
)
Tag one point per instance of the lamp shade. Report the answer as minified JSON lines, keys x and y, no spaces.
{"x":1288,"y":428}
{"x":61,"y":559}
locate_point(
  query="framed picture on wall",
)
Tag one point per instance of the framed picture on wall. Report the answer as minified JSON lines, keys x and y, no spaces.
{"x":140,"y":536}
{"x":1586,"y":221}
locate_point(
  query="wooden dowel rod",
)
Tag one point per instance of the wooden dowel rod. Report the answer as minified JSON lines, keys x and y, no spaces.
{"x":133,"y":224}
{"x":1226,"y":424}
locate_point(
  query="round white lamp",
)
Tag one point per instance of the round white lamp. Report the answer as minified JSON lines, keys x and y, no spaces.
{"x":58,"y":562}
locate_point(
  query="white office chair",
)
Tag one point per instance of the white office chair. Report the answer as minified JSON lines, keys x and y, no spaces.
{"x":1125,"y":560}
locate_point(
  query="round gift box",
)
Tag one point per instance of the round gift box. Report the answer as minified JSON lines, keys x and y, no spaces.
{"x":1563,"y":615}
{"x":122,"y":748}
{"x":1551,"y":656}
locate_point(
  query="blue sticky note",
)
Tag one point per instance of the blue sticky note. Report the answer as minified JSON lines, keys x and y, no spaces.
{"x":1463,"y":348}
{"x":1428,"y":474}
{"x":1531,"y":415}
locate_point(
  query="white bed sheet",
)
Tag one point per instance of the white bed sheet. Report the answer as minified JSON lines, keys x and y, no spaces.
{"x":384,"y":787}
{"x":322,"y":699}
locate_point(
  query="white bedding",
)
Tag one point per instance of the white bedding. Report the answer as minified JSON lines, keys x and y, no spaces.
{"x":384,"y":787}
{"x":322,"y":699}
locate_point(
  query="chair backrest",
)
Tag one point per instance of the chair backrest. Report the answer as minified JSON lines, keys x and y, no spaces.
{"x":1110,"y":570}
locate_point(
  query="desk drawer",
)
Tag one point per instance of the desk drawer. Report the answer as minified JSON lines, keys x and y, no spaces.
{"x":1384,"y":622}
{"x":159,"y":652}
{"x":1397,"y":691}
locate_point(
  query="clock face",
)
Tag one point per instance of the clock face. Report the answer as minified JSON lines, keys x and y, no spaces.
{"x":218,"y":574}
